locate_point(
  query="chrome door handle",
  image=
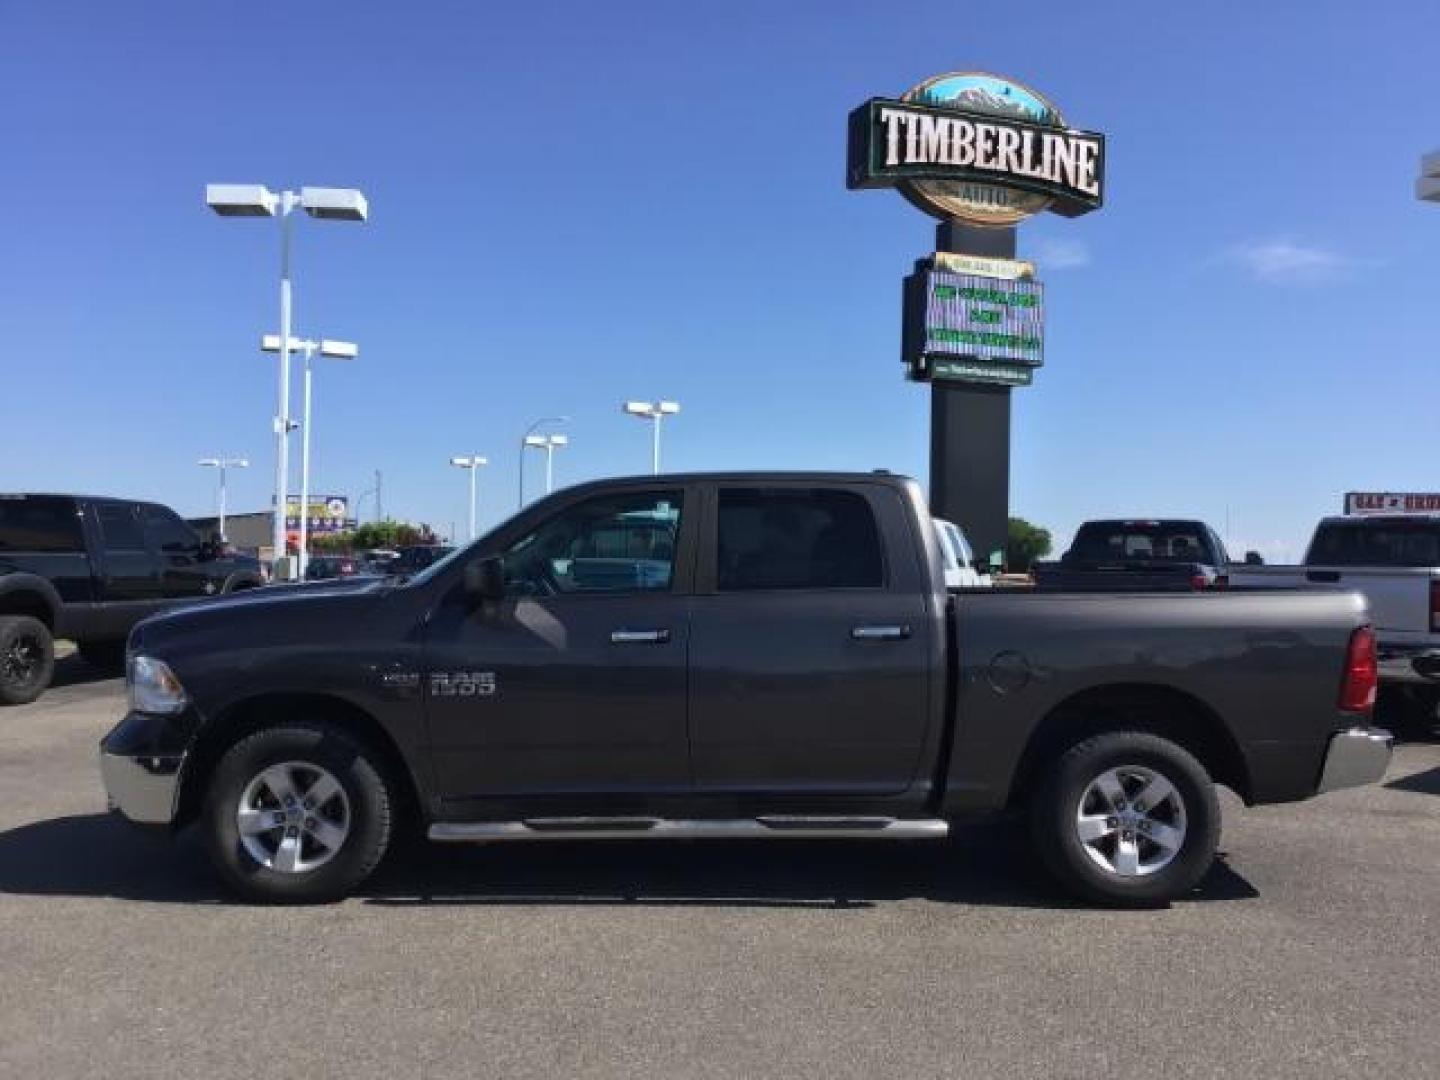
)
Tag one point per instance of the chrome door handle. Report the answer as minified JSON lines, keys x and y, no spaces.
{"x":639,"y":637}
{"x":880,"y":633}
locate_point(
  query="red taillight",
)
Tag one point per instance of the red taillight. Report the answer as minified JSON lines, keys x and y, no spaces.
{"x":1221,"y":582}
{"x":1198,"y":583}
{"x":1435,"y":605}
{"x":1362,"y":673}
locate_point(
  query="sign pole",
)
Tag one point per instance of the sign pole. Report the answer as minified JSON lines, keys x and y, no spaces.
{"x":970,"y":423}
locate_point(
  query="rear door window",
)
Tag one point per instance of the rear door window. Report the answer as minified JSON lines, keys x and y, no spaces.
{"x":168,"y":533}
{"x":797,"y":538}
{"x":119,"y":527}
{"x":43,"y":525}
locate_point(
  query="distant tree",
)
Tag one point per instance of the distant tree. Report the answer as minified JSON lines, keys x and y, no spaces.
{"x":1024,"y":545}
{"x":374,"y":534}
{"x":336,"y":543}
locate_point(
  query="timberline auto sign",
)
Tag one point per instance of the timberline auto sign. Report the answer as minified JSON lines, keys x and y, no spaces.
{"x":978,"y":148}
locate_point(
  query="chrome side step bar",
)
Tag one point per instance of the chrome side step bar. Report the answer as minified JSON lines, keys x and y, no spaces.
{"x":769,"y":827}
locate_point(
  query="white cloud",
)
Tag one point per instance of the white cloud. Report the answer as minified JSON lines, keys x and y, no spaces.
{"x":1059,"y":254}
{"x":1281,"y":261}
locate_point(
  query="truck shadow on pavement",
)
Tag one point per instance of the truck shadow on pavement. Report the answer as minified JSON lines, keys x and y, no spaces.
{"x":1424,"y":783}
{"x":96,"y":855}
{"x":73,"y":670}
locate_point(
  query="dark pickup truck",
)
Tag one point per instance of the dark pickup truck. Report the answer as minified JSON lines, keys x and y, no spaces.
{"x":1165,"y":555}
{"x":89,"y":569}
{"x":764,"y":656}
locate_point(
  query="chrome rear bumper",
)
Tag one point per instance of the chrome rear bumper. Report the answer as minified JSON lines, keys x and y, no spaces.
{"x":1355,"y":757}
{"x":1415,"y":664}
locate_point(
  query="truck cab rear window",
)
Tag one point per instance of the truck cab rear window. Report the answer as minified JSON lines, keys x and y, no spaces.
{"x":797,"y":538}
{"x":41,"y":525}
{"x":1157,"y":542}
{"x":1373,"y":543}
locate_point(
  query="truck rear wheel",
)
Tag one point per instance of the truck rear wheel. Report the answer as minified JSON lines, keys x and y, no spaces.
{"x":27,"y":659}
{"x":1126,"y":819}
{"x":298,"y":813}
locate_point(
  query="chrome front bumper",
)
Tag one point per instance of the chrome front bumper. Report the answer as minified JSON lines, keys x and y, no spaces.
{"x":143,"y":789}
{"x":1356,"y":757}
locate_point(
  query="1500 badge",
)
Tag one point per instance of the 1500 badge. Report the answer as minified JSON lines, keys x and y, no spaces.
{"x":462,"y":684}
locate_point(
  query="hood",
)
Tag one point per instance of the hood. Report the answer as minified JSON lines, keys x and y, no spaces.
{"x":268,"y":613}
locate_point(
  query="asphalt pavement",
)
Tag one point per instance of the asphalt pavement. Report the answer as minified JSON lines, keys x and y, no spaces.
{"x":1312,"y":950}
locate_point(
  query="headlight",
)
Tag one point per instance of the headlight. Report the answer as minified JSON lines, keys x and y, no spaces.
{"x":153,"y":686}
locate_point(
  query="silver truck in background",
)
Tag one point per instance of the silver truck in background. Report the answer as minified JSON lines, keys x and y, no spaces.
{"x":962,"y":569}
{"x":1394,"y":560}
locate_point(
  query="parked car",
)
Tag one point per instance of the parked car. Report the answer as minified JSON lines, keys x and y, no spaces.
{"x":378,"y":560}
{"x":1139,"y":555}
{"x":1394,"y":562}
{"x":416,"y":557}
{"x":88,"y":568}
{"x":745,"y":655}
{"x":961,"y":569}
{"x":328,"y":567}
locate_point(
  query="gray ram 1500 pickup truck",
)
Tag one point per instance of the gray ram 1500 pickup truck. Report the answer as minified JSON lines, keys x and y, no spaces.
{"x":740,"y":655}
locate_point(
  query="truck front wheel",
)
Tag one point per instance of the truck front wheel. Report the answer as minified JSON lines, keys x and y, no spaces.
{"x":1126,"y":819}
{"x":27,"y":659}
{"x":298,"y":813}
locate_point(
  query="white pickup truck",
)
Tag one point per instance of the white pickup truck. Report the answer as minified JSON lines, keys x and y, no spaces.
{"x":962,"y":569}
{"x":1395,"y":562}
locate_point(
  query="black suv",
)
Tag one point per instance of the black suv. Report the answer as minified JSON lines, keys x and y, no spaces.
{"x":89,"y":569}
{"x":416,"y":557}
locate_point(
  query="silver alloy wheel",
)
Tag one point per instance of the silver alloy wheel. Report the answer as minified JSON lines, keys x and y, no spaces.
{"x":1131,"y":821}
{"x":293,"y":817}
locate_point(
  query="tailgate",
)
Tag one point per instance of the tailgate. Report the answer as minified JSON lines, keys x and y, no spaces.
{"x":1399,"y":599}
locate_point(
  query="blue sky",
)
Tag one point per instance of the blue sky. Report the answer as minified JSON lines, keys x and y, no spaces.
{"x":575,"y":204}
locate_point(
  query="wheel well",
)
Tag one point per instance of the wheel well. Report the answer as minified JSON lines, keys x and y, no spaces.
{"x":22,"y":602}
{"x":1160,"y":710}
{"x":270,"y":710}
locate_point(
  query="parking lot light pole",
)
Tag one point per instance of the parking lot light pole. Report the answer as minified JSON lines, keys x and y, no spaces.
{"x":331,"y":350}
{"x":524,"y":442}
{"x":223,"y":464}
{"x":1427,"y":186}
{"x":474,"y":463}
{"x":654,"y":411}
{"x":548,"y":443}
{"x":256,"y":200}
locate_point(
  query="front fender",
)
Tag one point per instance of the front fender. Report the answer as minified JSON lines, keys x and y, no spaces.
{"x":22,"y":584}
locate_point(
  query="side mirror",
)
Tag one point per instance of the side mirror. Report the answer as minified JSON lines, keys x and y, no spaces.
{"x":1254,"y":558}
{"x":485,"y":579}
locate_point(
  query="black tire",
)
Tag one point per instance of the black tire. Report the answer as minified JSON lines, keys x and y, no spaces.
{"x":368,"y":803}
{"x":1077,"y":866}
{"x":27,"y":659}
{"x":105,"y":655}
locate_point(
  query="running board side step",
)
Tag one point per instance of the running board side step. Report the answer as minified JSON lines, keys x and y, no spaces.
{"x":769,"y":827}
